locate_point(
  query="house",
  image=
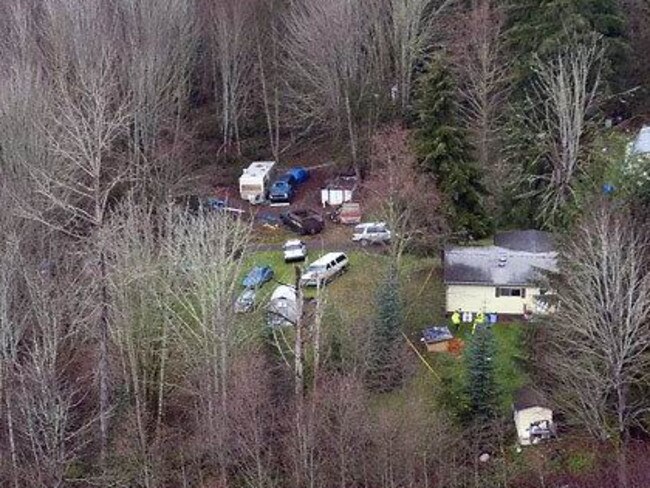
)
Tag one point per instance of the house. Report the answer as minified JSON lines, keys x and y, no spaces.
{"x":503,"y":278}
{"x":641,"y":145}
{"x":636,"y":168}
{"x":437,"y":339}
{"x":533,"y":419}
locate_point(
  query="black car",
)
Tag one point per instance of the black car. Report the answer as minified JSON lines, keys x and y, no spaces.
{"x":303,"y":221}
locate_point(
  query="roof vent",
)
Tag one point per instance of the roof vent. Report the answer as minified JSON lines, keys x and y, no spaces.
{"x":503,"y":259}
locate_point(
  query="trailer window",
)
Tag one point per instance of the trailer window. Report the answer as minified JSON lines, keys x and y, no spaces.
{"x":251,"y":188}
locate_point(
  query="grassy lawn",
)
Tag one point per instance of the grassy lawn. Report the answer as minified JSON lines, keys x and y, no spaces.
{"x":509,"y":373}
{"x":350,"y":299}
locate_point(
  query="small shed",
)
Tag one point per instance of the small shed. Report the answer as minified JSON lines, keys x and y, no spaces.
{"x":283,"y":308}
{"x":437,"y":339}
{"x":533,"y":418}
{"x":338,"y":190}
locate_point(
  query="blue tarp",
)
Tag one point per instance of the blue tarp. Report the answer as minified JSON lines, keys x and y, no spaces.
{"x":299,"y":174}
{"x":436,"y":334}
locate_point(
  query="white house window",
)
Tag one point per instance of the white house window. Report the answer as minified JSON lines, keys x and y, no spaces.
{"x":510,"y":292}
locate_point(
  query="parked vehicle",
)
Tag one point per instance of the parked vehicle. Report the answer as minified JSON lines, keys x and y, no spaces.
{"x":347,"y":214}
{"x":283,"y":308}
{"x":294,"y":250}
{"x":206,"y":205}
{"x":255,"y":180}
{"x":303,"y":221}
{"x":257,"y":276}
{"x":371,"y":233}
{"x":325,"y":269}
{"x":245,"y":301}
{"x":282,"y":189}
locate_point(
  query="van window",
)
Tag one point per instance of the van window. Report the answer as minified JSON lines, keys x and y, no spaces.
{"x":340,"y":259}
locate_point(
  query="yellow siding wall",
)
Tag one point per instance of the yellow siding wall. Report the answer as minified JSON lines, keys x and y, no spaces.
{"x":472,"y":298}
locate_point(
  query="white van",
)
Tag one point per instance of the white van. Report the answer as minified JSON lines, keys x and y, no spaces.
{"x":325,"y":269}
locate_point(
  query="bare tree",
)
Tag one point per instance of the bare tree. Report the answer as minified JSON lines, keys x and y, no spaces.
{"x":565,"y":93}
{"x":204,"y":256}
{"x":330,"y":79}
{"x":50,"y":387}
{"x":158,"y":42}
{"x":233,"y":54}
{"x":411,"y":35}
{"x":483,"y":71}
{"x":269,"y":67}
{"x":600,"y":335}
{"x":405,"y":198}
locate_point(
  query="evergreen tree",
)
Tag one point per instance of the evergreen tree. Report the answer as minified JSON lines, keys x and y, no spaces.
{"x":384,"y":369}
{"x":542,"y":27}
{"x":443,"y":149}
{"x":481,"y":391}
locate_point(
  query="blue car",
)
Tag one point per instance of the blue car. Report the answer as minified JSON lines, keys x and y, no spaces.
{"x":282,"y":189}
{"x":257,"y":276}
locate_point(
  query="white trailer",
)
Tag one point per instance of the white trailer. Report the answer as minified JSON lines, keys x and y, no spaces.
{"x":255,"y":180}
{"x":338,"y":191}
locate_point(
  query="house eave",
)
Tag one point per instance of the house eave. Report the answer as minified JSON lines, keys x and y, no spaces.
{"x":475,"y":283}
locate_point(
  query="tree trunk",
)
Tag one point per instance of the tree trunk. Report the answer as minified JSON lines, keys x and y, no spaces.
{"x":103,"y":357}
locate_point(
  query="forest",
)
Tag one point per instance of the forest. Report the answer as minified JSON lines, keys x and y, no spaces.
{"x":123,"y":362}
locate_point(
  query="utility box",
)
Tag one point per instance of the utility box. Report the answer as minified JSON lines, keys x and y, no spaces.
{"x":255,"y":181}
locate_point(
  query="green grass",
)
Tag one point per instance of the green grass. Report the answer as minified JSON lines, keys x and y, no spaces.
{"x":509,"y":373}
{"x":350,"y":299}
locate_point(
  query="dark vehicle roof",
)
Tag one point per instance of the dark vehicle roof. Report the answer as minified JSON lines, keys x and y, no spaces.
{"x":283,"y":184}
{"x":285,"y":178}
{"x":306,"y":213}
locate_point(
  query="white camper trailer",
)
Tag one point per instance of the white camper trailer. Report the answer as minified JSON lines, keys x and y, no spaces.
{"x":255,"y":180}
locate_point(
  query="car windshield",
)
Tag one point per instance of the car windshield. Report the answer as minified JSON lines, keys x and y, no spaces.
{"x":316,"y":269}
{"x":293,"y":247}
{"x":359,"y":229}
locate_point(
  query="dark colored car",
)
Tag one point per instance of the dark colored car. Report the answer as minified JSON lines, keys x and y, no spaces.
{"x":257,"y":276}
{"x":303,"y":221}
{"x":282,"y":189}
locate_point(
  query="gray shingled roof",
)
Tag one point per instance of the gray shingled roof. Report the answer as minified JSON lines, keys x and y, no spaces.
{"x":496,"y":266}
{"x":642,"y":142}
{"x":525,"y":240}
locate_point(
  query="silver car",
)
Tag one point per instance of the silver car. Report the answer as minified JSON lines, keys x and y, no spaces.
{"x":371,"y":233}
{"x":245,"y":301}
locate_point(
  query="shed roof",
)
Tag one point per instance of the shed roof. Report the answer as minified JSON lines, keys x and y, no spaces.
{"x":496,"y":266}
{"x":525,"y":240}
{"x":528,"y":397}
{"x":642,"y":142}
